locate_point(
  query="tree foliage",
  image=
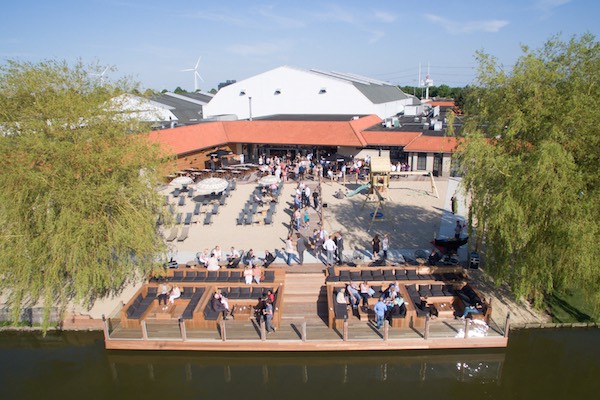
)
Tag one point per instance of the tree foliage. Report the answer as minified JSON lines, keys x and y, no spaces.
{"x":531,"y":164}
{"x":78,"y":201}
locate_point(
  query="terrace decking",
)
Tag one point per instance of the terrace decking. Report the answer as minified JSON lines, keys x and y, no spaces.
{"x":303,"y":317}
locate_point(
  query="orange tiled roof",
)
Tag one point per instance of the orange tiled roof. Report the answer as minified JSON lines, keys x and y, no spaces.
{"x":432,"y":144}
{"x":442,"y":103}
{"x":389,"y":137}
{"x":186,"y":139}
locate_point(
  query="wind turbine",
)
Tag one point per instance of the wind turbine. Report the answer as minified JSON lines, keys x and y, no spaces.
{"x":196,"y":74}
{"x":101,"y":76}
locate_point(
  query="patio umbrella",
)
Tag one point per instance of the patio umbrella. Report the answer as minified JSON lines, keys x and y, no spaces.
{"x":182,"y":181}
{"x":211,"y":185}
{"x":268,"y":180}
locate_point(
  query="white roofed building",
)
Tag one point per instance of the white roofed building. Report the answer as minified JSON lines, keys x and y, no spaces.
{"x":289,"y":90}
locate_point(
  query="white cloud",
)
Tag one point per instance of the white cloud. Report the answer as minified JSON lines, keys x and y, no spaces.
{"x":258,"y":49}
{"x":384,"y":16}
{"x":280,"y":20}
{"x":547,"y":6}
{"x":462,"y":27}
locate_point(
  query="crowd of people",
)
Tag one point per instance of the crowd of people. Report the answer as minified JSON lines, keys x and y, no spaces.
{"x":389,"y":304}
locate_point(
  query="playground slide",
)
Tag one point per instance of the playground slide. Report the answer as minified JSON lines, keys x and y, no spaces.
{"x":358,"y":190}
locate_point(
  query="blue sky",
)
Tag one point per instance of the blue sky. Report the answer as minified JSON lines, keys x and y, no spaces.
{"x":152,"y":41}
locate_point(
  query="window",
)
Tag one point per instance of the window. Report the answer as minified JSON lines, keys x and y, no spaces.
{"x":422,"y":162}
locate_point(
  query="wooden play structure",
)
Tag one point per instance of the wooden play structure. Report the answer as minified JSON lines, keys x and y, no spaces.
{"x":379,"y":181}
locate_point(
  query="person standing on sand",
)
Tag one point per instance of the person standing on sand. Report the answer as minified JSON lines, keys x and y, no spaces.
{"x":385,"y":245}
{"x":376,"y":246}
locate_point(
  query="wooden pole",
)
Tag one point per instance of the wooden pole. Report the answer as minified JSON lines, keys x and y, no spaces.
{"x":386,"y":328}
{"x":507,"y":325}
{"x":345,"y":329}
{"x":426,"y":333}
{"x":466,"y":328}
{"x":144,"y":330}
{"x":182,"y":329}
{"x":223,"y":331}
{"x":105,"y":329}
{"x":304,"y":331}
{"x":263,"y":334}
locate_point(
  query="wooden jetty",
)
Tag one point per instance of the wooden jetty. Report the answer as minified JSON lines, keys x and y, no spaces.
{"x":304,"y":315}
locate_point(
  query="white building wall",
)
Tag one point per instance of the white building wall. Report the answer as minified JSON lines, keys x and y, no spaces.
{"x":299,"y":94}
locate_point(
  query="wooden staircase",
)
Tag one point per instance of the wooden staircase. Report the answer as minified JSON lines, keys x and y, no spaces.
{"x":305,"y":298}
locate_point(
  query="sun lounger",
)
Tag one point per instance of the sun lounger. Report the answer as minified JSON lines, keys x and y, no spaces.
{"x":176,"y":193}
{"x":172,"y":234}
{"x":197,"y":208}
{"x":178,"y":218}
{"x":190,"y":193}
{"x":249,"y":219}
{"x":207,"y":219}
{"x":215,"y":209}
{"x":184,"y":234}
{"x":188,"y":219}
{"x":268,"y":219}
{"x":181,"y":201}
{"x":240,"y":219}
{"x":222,"y":200}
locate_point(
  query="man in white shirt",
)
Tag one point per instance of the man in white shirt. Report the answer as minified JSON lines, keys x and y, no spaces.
{"x":330,"y":247}
{"x":306,"y":197}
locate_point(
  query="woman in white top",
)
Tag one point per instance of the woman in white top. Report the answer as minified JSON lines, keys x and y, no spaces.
{"x":175,"y":294}
{"x":248,"y":274}
{"x":217,"y":253}
{"x":213,"y":264}
{"x":385,"y":245}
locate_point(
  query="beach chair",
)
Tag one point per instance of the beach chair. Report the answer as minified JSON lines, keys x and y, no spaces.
{"x":175,"y":193}
{"x":188,"y":219}
{"x":207,"y":219}
{"x":197,"y":208}
{"x":190,"y":193}
{"x":181,"y":201}
{"x":232,"y":185}
{"x":249,"y":219}
{"x":178,"y":218}
{"x":172,"y":234}
{"x":240,"y":219}
{"x":272,"y":208}
{"x":254,"y":208}
{"x":222,"y":199}
{"x":215,"y":209}
{"x":269,"y":218}
{"x":184,"y":234}
{"x":171,"y":209}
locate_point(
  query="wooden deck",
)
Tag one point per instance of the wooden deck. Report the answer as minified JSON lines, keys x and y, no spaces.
{"x":302,"y":327}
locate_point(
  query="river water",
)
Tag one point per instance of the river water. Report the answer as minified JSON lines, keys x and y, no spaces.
{"x":544,"y":364}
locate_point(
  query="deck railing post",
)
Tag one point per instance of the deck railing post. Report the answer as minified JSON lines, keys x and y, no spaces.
{"x":182,"y":329}
{"x":263,"y":334}
{"x":466,"y":328}
{"x":345,"y":330}
{"x":426,"y":333}
{"x":304,"y":331}
{"x":223,"y":331}
{"x":507,"y":325}
{"x":105,"y":328}
{"x":386,"y":328}
{"x":144,"y":330}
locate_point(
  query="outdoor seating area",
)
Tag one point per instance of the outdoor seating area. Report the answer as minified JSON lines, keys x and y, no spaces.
{"x":196,"y":290}
{"x":261,"y":205}
{"x":427,"y":292}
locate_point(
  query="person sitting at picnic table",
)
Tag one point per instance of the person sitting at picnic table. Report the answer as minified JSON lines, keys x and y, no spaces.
{"x":470,"y":309}
{"x":352,"y":289}
{"x":390,"y":293}
{"x":219,"y":304}
{"x":270,"y":295}
{"x":163,"y":295}
{"x":248,"y":274}
{"x":257,"y":273}
{"x":249,"y":258}
{"x":233,"y":257}
{"x":217,"y":253}
{"x":175,"y":294}
{"x":213,"y":264}
{"x":269,"y":258}
{"x":202,"y":257}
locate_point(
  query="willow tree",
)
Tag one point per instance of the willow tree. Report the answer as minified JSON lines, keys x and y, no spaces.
{"x":531,"y":163}
{"x":77,"y":204}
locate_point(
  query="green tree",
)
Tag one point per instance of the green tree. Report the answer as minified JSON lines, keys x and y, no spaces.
{"x":179,"y":90}
{"x":531,"y":164}
{"x":78,"y":205}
